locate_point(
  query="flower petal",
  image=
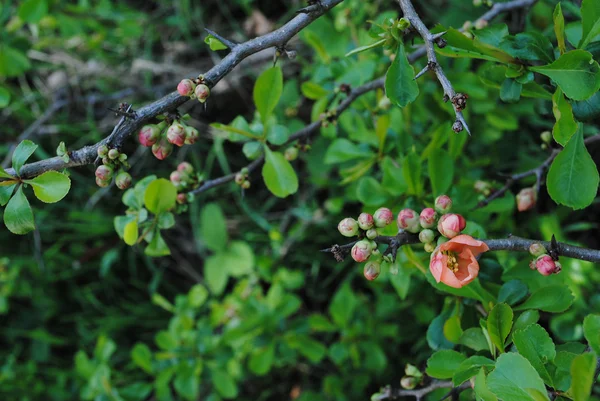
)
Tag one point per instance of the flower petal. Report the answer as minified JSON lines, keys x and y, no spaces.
{"x":436,"y":265}
{"x":450,"y":279}
{"x":468,"y":267}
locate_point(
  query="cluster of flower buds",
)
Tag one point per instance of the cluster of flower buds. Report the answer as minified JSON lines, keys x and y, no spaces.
{"x":526,"y":199}
{"x":162,"y":138}
{"x":185,"y":179}
{"x":543,"y":262}
{"x":412,"y":377}
{"x":483,"y":187}
{"x":241,"y":178}
{"x":194,"y":88}
{"x":114,"y":164}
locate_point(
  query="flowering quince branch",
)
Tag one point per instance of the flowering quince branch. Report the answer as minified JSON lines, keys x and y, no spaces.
{"x":458,"y":99}
{"x":389,"y":393}
{"x":230,"y":45}
{"x":526,"y":199}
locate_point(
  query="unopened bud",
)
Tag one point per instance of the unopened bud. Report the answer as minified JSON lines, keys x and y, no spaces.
{"x":113,"y":154}
{"x":365,"y":221}
{"x":239,"y":178}
{"x":176,"y":134}
{"x":429,"y":247}
{"x":162,"y":149}
{"x":186,"y":87}
{"x":526,"y":199}
{"x":383,"y":217}
{"x":536,"y":249}
{"x":481,"y":23}
{"x":372,"y":270}
{"x":467,"y":25}
{"x":202,"y":92}
{"x":149,"y":134}
{"x":361,"y":251}
{"x":372,"y":233}
{"x":102,"y":151}
{"x":408,"y":220}
{"x":450,"y":225}
{"x":348,"y":227}
{"x":123,"y":180}
{"x":408,"y":382}
{"x":185,"y":168}
{"x":443,"y":204}
{"x":103,"y":172}
{"x":175,"y":178}
{"x":102,"y":183}
{"x":106,"y":161}
{"x":122,"y":157}
{"x":181,"y":199}
{"x":246,"y":184}
{"x":427,"y":218}
{"x":426,"y":236}
{"x":191,"y":135}
{"x":291,"y":153}
{"x":546,"y":265}
{"x":546,"y":136}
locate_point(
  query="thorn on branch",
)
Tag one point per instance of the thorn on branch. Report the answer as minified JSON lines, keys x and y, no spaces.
{"x":231,"y":45}
{"x":124,"y":110}
{"x":313,"y":5}
{"x":429,"y":67}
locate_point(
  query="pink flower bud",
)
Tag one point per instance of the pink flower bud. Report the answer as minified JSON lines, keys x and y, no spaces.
{"x":372,"y":233}
{"x":175,"y":178}
{"x":361,"y":251}
{"x":408,"y":220}
{"x":181,"y":199}
{"x":348,"y":227}
{"x":162,"y":149}
{"x":526,"y":199}
{"x":546,"y":265}
{"x":105,"y":173}
{"x":191,"y":135}
{"x":382,"y":217}
{"x":149,"y":135}
{"x":202,"y":92}
{"x":176,"y":134}
{"x":427,"y":218}
{"x":537,"y":249}
{"x":102,"y":183}
{"x":409,"y":382}
{"x":450,"y":225}
{"x":123,"y":180}
{"x":186,"y":87}
{"x":365,"y":221}
{"x":372,"y":270}
{"x":443,"y":204}
{"x":426,"y":236}
{"x":185,"y":168}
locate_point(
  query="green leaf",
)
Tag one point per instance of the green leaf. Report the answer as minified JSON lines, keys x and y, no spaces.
{"x":573,"y":177}
{"x":313,"y":91}
{"x":512,"y":291}
{"x":342,"y":306}
{"x":18,"y":216}
{"x":6,"y":192}
{"x":4,"y":174}
{"x":576,"y":72}
{"x":530,"y":46}
{"x":224,"y":384}
{"x":552,"y":298}
{"x":393,"y":179}
{"x":411,"y":169}
{"x":452,"y":329}
{"x":313,"y":350}
{"x":525,"y":319}
{"x":267,"y":91}
{"x":583,"y":370}
{"x":130,"y":232}
{"x":400,"y":86}
{"x":587,"y":110}
{"x":565,"y":125}
{"x":12,"y":61}
{"x":4,"y":97}
{"x":481,"y":389}
{"x":51,"y":186}
{"x":160,"y":196}
{"x":213,"y":227}
{"x":510,"y":91}
{"x":278,"y":134}
{"x":559,"y":28}
{"x":590,"y":22}
{"x":214,"y":43}
{"x":279,"y":175}
{"x":470,"y":367}
{"x":367,"y":47}
{"x":262,"y":359}
{"x":443,"y":363}
{"x":238,"y":259}
{"x":22,"y":152}
{"x":197,"y":295}
{"x":157,"y":247}
{"x":166,"y":220}
{"x":591,"y":331}
{"x":186,"y":382}
{"x":401,"y":281}
{"x":32,"y":11}
{"x":215,"y":274}
{"x":499,"y":323}
{"x":514,"y":379}
{"x":370,"y":192}
{"x":535,"y":344}
{"x":142,"y":357}
{"x":441,"y":171}
{"x":474,"y":338}
{"x":342,"y":150}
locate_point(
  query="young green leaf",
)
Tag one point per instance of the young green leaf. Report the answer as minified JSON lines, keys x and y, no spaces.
{"x":552,"y":298}
{"x":573,"y":177}
{"x":470,"y":367}
{"x":160,"y":196}
{"x":313,"y":91}
{"x":370,"y":192}
{"x":559,"y":28}
{"x":262,"y":359}
{"x":512,"y":292}
{"x":51,"y":186}
{"x":142,"y":357}
{"x":400,"y":85}
{"x":565,"y":125}
{"x":411,"y":169}
{"x":224,"y":384}
{"x":18,"y":216}
{"x":157,"y":247}
{"x":535,"y":344}
{"x":278,"y":174}
{"x":499,"y":323}
{"x":366,"y":47}
{"x":22,"y":152}
{"x":442,"y":364}
{"x":215,"y":273}
{"x":529,"y":46}
{"x":514,"y":379}
{"x":130,"y":232}
{"x":214,"y":43}
{"x":510,"y":91}
{"x":591,"y":331}
{"x":583,"y":369}
{"x":576,"y":72}
{"x":32,"y":11}
{"x":590,"y":22}
{"x":213,"y":227}
{"x":481,"y":389}
{"x":441,"y":171}
{"x":187,"y":382}
{"x":6,"y":192}
{"x":267,"y":91}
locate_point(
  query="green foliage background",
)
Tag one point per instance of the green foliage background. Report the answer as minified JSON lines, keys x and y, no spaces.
{"x":245,"y":306}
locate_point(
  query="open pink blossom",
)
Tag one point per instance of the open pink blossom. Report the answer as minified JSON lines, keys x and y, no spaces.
{"x":454,"y":262}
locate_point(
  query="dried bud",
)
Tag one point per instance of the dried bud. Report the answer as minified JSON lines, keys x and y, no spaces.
{"x":185,"y":168}
{"x":202,"y":92}
{"x":348,"y":227}
{"x":372,"y":233}
{"x":426,"y":236}
{"x":123,"y":180}
{"x":450,"y":225}
{"x":176,"y":134}
{"x":526,"y":199}
{"x":162,"y":149}
{"x":105,"y":173}
{"x":372,"y":270}
{"x":443,"y":204}
{"x":186,"y":87}
{"x":365,"y":221}
{"x":408,"y":382}
{"x":408,"y":220}
{"x":546,"y":265}
{"x":113,"y":154}
{"x":291,"y":153}
{"x":181,"y":199}
{"x":427,"y":218}
{"x":102,"y":183}
{"x":536,"y":249}
{"x":382,"y":217}
{"x":191,"y":135}
{"x":361,"y":251}
{"x":102,"y":151}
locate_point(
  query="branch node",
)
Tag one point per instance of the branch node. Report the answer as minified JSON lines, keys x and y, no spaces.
{"x":460,"y":101}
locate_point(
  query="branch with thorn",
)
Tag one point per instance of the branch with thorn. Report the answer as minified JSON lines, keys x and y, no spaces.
{"x":389,"y":393}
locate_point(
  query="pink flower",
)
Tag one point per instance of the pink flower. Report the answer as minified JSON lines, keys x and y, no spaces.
{"x":382,"y":217}
{"x":176,"y":134}
{"x":526,"y":199}
{"x":454,"y":262}
{"x":202,"y":92}
{"x":348,"y":227}
{"x":372,"y":270}
{"x":186,"y":87}
{"x":443,"y":204}
{"x":546,"y":265}
{"x":427,"y":217}
{"x":361,"y":251}
{"x":450,"y":225}
{"x":104,"y":173}
{"x":149,"y":135}
{"x":365,"y":221}
{"x":408,"y":220}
